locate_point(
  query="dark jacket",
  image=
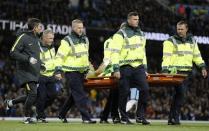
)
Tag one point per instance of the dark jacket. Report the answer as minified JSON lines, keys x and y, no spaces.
{"x":26,"y":46}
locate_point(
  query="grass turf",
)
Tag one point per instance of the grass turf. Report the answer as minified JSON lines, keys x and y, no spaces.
{"x":77,"y":126}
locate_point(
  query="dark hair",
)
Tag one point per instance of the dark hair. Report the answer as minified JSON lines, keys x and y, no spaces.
{"x":33,"y":22}
{"x":183,"y":22}
{"x":132,"y":14}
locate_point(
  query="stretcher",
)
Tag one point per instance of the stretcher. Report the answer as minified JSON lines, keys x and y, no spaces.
{"x":165,"y":79}
{"x":101,"y":82}
{"x":153,"y":80}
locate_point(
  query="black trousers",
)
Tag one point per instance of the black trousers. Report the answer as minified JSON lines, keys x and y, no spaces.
{"x":179,"y":98}
{"x":47,"y":92}
{"x":29,"y":99}
{"x":111,"y":106}
{"x":133,"y":76}
{"x":69,"y":102}
{"x":77,"y":96}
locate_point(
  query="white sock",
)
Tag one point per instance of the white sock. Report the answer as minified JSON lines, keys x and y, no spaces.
{"x":10,"y":103}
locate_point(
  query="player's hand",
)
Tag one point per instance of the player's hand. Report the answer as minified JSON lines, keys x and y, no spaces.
{"x":146,"y":74}
{"x":58,"y":76}
{"x":204,"y":73}
{"x":32,"y":60}
{"x":117,"y":75}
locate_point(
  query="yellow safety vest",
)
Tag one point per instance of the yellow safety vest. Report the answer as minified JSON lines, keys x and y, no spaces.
{"x":131,"y":46}
{"x":109,"y":51}
{"x":47,"y":56}
{"x":72,"y":54}
{"x":181,"y":55}
{"x":107,"y":65}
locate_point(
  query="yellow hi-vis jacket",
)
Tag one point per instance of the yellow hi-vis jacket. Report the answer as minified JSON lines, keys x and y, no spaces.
{"x":72,"y":54}
{"x":108,"y":51}
{"x":107,"y":57}
{"x":180,"y":54}
{"x":47,"y":56}
{"x":130,"y":45}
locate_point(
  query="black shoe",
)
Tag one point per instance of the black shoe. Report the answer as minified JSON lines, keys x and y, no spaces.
{"x":173,"y":122}
{"x":89,"y":121}
{"x":29,"y":121}
{"x":143,"y":121}
{"x":104,"y":122}
{"x":42,"y":120}
{"x":63,"y":119}
{"x":116,"y":120}
{"x":138,"y":120}
{"x":126,"y":122}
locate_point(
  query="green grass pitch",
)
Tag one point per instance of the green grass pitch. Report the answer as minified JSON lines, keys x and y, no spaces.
{"x":78,"y":126}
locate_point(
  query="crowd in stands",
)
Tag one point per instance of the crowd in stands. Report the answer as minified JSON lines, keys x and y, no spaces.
{"x":105,"y":14}
{"x":190,"y":2}
{"x":195,"y":11}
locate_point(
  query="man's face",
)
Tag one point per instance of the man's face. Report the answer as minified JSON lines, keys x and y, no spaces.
{"x":133,"y":21}
{"x":182,"y":30}
{"x":48,"y":39}
{"x":38,"y":28}
{"x":78,"y":28}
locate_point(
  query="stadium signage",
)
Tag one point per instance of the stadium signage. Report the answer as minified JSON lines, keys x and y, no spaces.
{"x":15,"y":25}
{"x":163,"y":36}
{"x":64,"y":30}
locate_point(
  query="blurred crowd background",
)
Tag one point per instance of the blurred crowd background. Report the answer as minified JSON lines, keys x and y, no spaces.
{"x":102,"y":18}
